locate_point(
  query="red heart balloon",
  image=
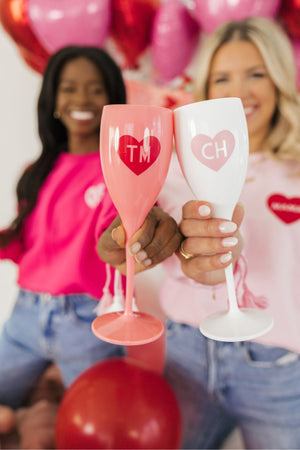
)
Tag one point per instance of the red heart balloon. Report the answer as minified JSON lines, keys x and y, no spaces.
{"x":290,"y":14}
{"x":131,"y":26}
{"x":14,"y":18}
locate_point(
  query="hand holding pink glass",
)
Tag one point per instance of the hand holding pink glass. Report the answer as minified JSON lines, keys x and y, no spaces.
{"x":135,"y":150}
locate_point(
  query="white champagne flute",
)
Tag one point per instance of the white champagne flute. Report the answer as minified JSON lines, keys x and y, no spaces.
{"x":212,"y":146}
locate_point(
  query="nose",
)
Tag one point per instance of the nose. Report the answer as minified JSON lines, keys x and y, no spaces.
{"x":80,"y":97}
{"x":239,"y":89}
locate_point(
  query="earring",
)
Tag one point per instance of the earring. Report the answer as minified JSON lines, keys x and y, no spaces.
{"x":56,"y":115}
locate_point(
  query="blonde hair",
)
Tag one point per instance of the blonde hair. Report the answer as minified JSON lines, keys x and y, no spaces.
{"x":283,"y":140}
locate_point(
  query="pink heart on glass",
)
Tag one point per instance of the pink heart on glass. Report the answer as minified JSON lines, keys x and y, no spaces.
{"x":213,"y":152}
{"x":58,"y":23}
{"x":138,"y":155}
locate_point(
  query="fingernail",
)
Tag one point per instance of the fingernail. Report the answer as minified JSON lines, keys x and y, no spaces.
{"x":229,"y":241}
{"x":204,"y":210}
{"x":147,"y":262}
{"x":115,"y":232}
{"x":135,"y":248}
{"x":226,"y":257}
{"x":140,"y":256}
{"x":227,"y":227}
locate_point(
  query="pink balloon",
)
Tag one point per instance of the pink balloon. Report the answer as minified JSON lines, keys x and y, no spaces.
{"x":57,"y":23}
{"x":211,"y":13}
{"x":174,"y":38}
{"x":296,"y":50}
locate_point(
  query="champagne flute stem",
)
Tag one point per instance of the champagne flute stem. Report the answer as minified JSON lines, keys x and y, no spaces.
{"x":130,"y":268}
{"x":233,"y":304}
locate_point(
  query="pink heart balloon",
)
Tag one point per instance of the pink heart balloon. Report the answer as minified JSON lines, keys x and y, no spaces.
{"x":211,"y":13}
{"x":174,"y":38}
{"x":58,"y":23}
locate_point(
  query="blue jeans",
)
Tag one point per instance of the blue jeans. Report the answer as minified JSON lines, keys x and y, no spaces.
{"x":44,"y":329}
{"x":222,"y":385}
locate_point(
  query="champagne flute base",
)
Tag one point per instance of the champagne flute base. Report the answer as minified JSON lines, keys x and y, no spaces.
{"x":235,"y":326}
{"x":119,"y":328}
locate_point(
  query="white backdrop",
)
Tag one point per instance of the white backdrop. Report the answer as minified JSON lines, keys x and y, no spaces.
{"x":19,"y":144}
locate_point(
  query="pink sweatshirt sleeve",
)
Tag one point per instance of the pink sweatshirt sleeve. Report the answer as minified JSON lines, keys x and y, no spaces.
{"x":13,"y":251}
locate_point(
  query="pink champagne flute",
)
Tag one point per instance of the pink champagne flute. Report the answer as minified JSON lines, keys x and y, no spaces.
{"x":135,"y":151}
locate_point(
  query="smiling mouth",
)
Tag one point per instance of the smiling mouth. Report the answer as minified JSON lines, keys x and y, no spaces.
{"x":249,"y":110}
{"x":82,"y":115}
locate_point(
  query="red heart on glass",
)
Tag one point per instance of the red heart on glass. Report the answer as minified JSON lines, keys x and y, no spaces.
{"x":286,"y":209}
{"x":138,"y":156}
{"x":213,"y":152}
{"x":15,"y":20}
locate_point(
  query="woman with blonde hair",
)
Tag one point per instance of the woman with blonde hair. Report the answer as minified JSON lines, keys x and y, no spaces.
{"x":275,"y":48}
{"x":253,"y":384}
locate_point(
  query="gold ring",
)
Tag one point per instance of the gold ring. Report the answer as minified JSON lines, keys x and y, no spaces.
{"x":183,"y":253}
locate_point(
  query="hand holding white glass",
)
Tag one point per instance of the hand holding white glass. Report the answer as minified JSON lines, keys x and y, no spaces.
{"x":135,"y":150}
{"x":212,"y":147}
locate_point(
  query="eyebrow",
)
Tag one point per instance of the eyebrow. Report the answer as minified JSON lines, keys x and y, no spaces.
{"x":250,"y":69}
{"x":66,"y":80}
{"x":258,"y":67}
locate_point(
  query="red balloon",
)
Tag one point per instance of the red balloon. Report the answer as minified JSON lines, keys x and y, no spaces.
{"x":14,"y":18}
{"x":118,"y":404}
{"x":131,"y":26}
{"x":152,"y":355}
{"x":36,"y":62}
{"x":290,"y":14}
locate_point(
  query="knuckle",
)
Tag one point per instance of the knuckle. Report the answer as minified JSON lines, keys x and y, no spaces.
{"x":189,"y":246}
{"x":185,"y":227}
{"x":156,"y":246}
{"x":187,"y":208}
{"x":208,"y":263}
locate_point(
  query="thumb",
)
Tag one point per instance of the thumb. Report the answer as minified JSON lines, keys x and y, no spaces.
{"x":119,"y":236}
{"x":238,"y":214}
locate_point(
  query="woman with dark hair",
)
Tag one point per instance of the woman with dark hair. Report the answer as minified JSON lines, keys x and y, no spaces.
{"x":63,"y":207}
{"x":53,"y":133}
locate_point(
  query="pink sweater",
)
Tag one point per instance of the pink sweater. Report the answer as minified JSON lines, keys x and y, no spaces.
{"x":56,"y":251}
{"x":268,"y":272}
